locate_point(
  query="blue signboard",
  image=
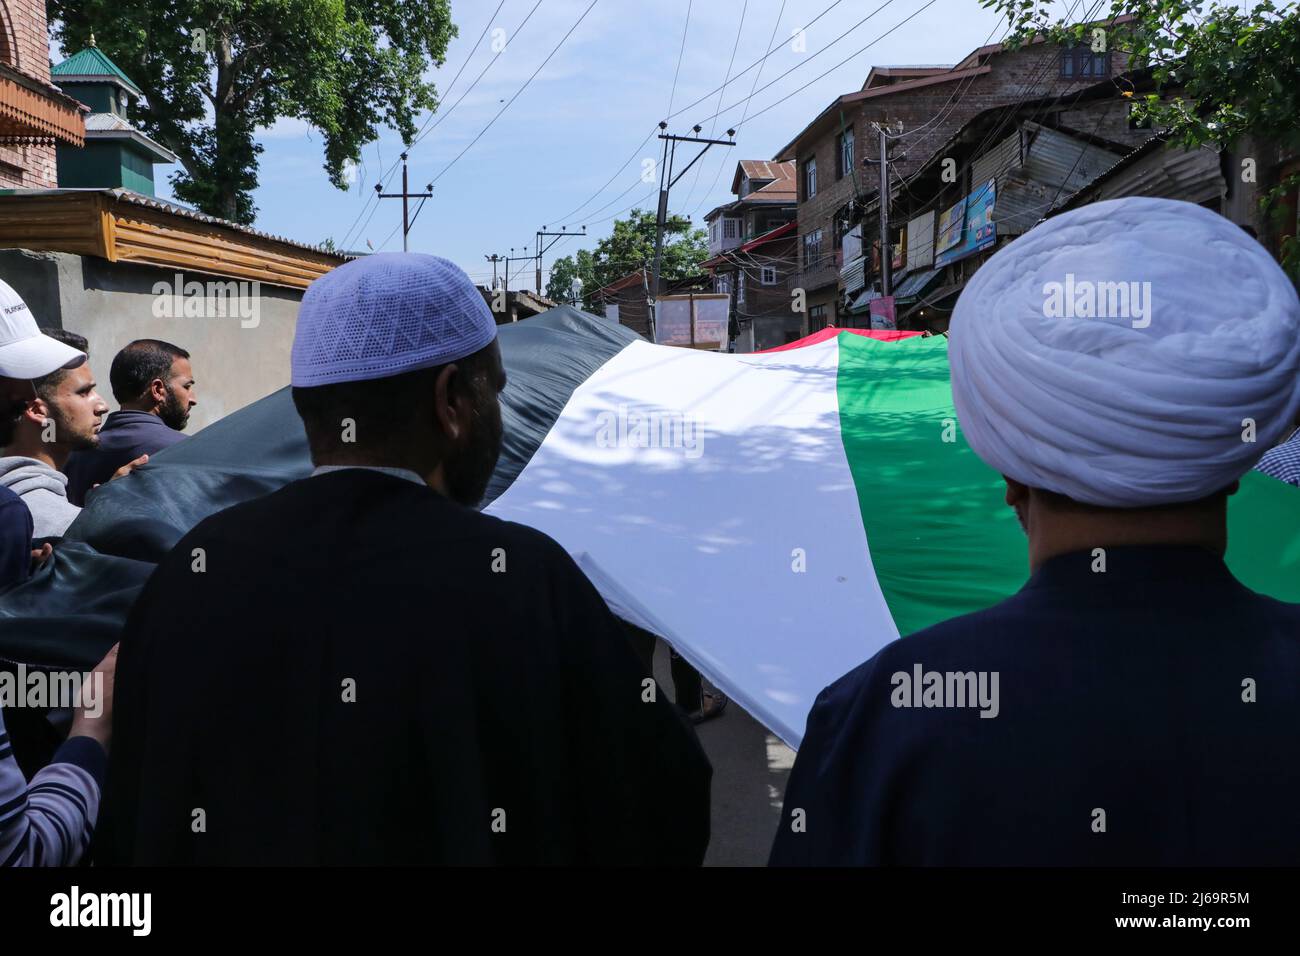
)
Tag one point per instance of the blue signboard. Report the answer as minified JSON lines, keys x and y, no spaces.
{"x":980,"y":232}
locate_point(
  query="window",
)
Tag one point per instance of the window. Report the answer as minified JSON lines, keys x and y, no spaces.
{"x":713,"y":231}
{"x":768,"y":275}
{"x":740,"y":290}
{"x":723,"y":283}
{"x":1079,"y":62}
{"x":816,"y":318}
{"x":844,"y":153}
{"x":729,"y":230}
{"x":810,"y":178}
{"x":812,"y":249}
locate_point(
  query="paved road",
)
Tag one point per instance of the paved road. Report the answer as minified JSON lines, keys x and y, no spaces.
{"x":750,"y":767}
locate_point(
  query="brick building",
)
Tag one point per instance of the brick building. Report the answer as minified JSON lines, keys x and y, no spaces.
{"x":922,"y":107}
{"x":993,"y":180}
{"x":753,"y":257}
{"x":35,"y":116}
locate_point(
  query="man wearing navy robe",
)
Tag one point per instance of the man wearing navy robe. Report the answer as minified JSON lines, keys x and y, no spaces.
{"x":1133,"y":704}
{"x":360,"y":668}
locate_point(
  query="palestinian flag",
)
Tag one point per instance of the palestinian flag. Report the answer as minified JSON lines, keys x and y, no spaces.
{"x":776,"y":517}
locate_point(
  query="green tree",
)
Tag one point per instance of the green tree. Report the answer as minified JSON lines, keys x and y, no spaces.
{"x":629,"y":247}
{"x":214,"y":71}
{"x":1222,"y":73}
{"x":564,"y":270}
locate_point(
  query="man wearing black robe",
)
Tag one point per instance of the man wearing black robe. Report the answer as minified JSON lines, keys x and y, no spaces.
{"x":1133,"y":704}
{"x":360,"y":669}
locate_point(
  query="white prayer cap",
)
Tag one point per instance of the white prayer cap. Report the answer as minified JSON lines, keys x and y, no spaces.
{"x":1125,"y":353}
{"x":386,"y":314}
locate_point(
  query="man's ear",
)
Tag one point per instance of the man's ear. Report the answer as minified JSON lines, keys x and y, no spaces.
{"x":36,"y":411}
{"x":1017,"y":494}
{"x":447,"y":404}
{"x":158,"y":391}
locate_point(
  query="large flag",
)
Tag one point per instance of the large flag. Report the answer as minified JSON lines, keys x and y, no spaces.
{"x":778,"y":518}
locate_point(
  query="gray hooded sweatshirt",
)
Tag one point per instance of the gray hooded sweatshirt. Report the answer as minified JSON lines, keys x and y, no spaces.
{"x":43,"y":490}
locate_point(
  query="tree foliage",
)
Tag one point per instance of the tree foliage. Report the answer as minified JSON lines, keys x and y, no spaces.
{"x":214,"y":71}
{"x":1222,"y":73}
{"x":629,"y":247}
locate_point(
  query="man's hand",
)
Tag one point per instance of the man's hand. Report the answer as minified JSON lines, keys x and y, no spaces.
{"x":129,"y":467}
{"x":99,"y":726}
{"x":126,"y":469}
{"x":41,"y":555}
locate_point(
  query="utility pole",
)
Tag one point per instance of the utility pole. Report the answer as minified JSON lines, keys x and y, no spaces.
{"x":494,"y":259}
{"x":886,"y":250}
{"x":513,"y":258}
{"x":404,"y":196}
{"x":541,"y":249}
{"x":666,"y":182}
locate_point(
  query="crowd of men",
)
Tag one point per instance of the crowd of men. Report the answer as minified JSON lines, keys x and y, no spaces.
{"x":363,"y":687}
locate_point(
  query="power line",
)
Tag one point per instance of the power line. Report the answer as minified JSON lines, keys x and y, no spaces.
{"x":762,"y":58}
{"x":425,"y":129}
{"x":713,"y":126}
{"x":851,"y":56}
{"x":519,"y":29}
{"x":804,"y":62}
{"x":685,"y":28}
{"x":772,"y":48}
{"x":568,"y":219}
{"x":419,"y":136}
{"x":517,"y":94}
{"x":753,"y":86}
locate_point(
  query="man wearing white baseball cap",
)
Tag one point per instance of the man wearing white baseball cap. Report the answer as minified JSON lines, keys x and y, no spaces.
{"x":25,"y":352}
{"x":50,"y":408}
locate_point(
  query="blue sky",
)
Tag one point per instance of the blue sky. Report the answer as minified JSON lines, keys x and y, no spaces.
{"x":604,"y":90}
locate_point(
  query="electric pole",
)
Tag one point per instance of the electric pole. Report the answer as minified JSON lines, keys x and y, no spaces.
{"x":405,"y":195}
{"x":513,"y":258}
{"x":886,"y":250}
{"x":666,"y":182}
{"x":541,"y":249}
{"x":494,"y":259}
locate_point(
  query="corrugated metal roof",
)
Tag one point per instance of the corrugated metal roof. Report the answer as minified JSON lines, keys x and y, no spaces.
{"x":106,"y":122}
{"x":152,"y":202}
{"x":915,"y":285}
{"x":996,"y":161}
{"x":1061,"y":161}
{"x":111,"y":126}
{"x":863,"y":302}
{"x":854,"y":275}
{"x":1056,"y":165}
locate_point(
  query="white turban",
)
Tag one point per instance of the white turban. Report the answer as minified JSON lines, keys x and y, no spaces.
{"x":1142,"y":391}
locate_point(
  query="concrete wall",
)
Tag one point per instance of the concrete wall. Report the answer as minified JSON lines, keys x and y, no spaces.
{"x":236,"y":360}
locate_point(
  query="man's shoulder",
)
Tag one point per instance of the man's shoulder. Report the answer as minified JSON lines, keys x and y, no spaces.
{"x":964,"y":643}
{"x":383,"y":496}
{"x":139,"y":433}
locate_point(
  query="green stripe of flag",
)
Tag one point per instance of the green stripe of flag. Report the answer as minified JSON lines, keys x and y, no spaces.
{"x":942,"y":539}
